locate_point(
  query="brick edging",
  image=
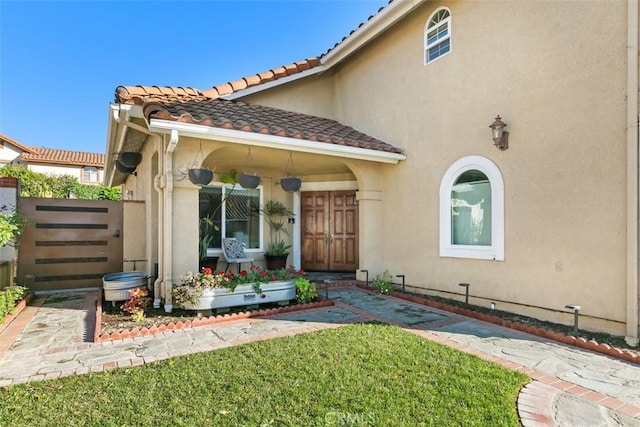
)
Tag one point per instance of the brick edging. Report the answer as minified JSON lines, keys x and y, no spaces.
{"x":581,"y":342}
{"x":202,"y":321}
{"x":98,"y":326}
{"x":18,"y":309}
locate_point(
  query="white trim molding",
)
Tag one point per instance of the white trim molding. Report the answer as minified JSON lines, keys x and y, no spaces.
{"x":496,"y":250}
{"x":272,"y":141}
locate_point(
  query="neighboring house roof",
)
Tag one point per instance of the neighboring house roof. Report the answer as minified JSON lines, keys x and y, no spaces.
{"x":237,"y":115}
{"x":21,"y":147}
{"x":63,"y":157}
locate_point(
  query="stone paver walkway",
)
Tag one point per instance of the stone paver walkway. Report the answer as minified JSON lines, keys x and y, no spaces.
{"x":571,"y":387}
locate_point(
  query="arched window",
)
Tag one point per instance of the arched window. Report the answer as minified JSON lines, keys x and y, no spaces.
{"x":437,"y":35}
{"x":472,"y":210}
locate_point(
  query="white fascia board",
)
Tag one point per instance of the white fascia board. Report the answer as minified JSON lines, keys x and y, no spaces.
{"x":278,"y":82}
{"x":134,"y":110}
{"x":392,"y":13}
{"x":272,"y":141}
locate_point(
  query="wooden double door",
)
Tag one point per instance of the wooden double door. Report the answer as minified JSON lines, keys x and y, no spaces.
{"x":329,"y":230}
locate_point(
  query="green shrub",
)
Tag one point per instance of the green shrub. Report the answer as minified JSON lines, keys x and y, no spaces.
{"x":3,"y":307}
{"x":305,"y":290}
{"x":11,"y":226}
{"x":35,"y":184}
{"x":9,"y":299}
{"x":383,"y":283}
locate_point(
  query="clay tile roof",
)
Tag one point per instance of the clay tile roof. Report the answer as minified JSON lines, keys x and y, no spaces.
{"x":64,"y":157}
{"x":237,"y":115}
{"x":137,"y":94}
{"x":261,"y":78}
{"x":16,"y":144}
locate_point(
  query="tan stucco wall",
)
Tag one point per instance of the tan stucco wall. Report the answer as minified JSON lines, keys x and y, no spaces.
{"x":313,"y":95}
{"x":560,"y":87}
{"x":134,"y":236}
{"x":564,"y":172}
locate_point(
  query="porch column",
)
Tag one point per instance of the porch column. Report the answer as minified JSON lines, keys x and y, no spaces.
{"x":370,"y":232}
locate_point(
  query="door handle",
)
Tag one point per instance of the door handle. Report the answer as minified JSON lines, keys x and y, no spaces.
{"x":117,"y":233}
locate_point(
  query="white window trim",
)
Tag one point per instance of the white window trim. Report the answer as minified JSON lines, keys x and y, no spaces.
{"x":91,"y":171}
{"x":428,"y":46}
{"x":487,"y":167}
{"x":223,"y":220}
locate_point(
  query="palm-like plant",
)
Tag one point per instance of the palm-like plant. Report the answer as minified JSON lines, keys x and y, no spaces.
{"x":275,"y":213}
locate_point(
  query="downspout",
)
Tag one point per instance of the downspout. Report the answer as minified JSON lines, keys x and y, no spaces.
{"x":632,"y":173}
{"x":167,"y":224}
{"x":158,"y":186}
{"x":297,"y":244}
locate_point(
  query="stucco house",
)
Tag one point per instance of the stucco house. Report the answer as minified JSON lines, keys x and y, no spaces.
{"x":88,"y":168}
{"x":391,"y":134}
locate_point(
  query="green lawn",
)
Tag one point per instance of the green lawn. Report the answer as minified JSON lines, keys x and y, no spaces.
{"x":368,"y":374}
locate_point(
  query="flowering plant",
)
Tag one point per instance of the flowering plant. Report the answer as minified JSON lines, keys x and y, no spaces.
{"x":136,"y":305}
{"x":194,"y":284}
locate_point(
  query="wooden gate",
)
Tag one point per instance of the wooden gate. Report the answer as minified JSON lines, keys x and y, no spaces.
{"x":69,"y":244}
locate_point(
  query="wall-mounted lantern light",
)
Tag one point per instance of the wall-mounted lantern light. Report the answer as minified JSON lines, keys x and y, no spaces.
{"x":500,"y":136}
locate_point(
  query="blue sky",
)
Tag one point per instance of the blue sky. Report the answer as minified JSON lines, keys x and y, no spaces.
{"x":60,"y":61}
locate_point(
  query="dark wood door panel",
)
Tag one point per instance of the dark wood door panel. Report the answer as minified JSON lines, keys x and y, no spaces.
{"x":329,"y":230}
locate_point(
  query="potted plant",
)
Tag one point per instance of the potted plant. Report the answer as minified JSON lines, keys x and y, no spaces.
{"x":276,"y":213}
{"x":207,"y":227}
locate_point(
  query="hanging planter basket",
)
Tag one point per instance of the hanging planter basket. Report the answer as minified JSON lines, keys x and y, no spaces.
{"x":124,"y":169}
{"x":200,"y":176}
{"x":248,"y":181}
{"x":290,"y":185}
{"x":130,"y":159}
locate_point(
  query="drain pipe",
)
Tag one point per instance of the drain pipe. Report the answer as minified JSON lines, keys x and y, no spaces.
{"x":158,"y":187}
{"x":167,"y":225}
{"x":632,"y":173}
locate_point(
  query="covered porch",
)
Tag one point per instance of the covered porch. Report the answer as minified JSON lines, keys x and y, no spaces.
{"x":335,"y":163}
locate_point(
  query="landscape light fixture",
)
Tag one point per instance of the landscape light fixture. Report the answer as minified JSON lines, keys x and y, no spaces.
{"x":576,"y":311}
{"x":466,"y":294}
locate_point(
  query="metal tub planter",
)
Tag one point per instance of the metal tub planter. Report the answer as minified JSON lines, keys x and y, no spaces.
{"x":116,"y":286}
{"x":244,"y":294}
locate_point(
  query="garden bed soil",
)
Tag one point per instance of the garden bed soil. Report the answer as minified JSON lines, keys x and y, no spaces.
{"x":112,"y":319}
